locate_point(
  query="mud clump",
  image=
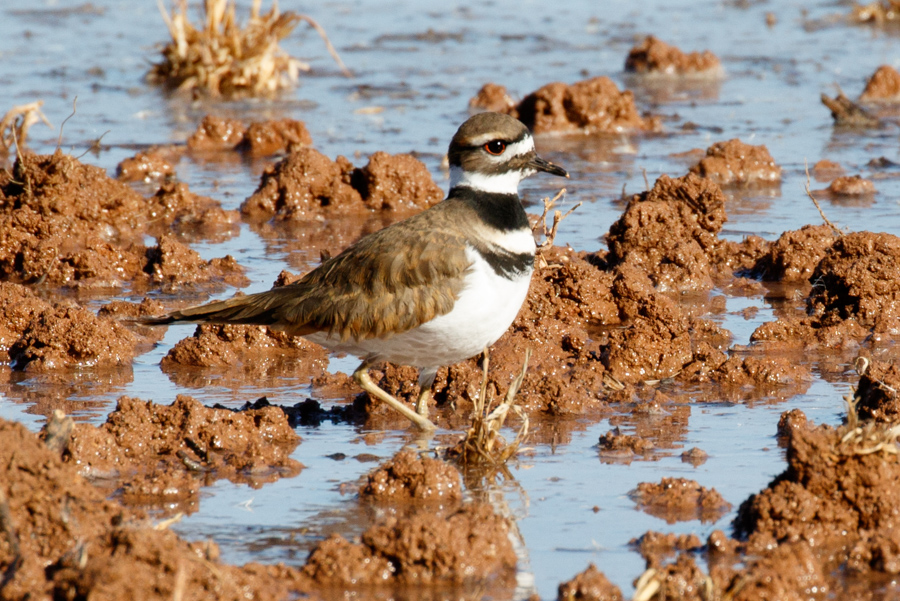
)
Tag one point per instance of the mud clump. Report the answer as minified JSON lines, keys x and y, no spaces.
{"x":260,"y":138}
{"x":65,"y":540}
{"x":680,"y":499}
{"x":307,"y":185}
{"x":592,"y":106}
{"x":653,"y":56}
{"x":735,"y":163}
{"x":847,"y":113}
{"x":825,"y":170}
{"x":835,"y":503}
{"x":795,"y":255}
{"x":883,"y":86}
{"x":406,"y":478}
{"x":152,"y":447}
{"x":492,"y":97}
{"x":467,"y":547}
{"x":589,"y":585}
{"x":670,"y":231}
{"x":69,"y":336}
{"x":69,"y":224}
{"x":146,"y":166}
{"x":851,"y":185}
{"x":615,"y":445}
{"x":859,"y":279}
{"x":656,"y":547}
{"x":877,"y":396}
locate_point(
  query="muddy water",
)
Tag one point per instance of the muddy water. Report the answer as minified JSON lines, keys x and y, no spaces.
{"x":415,"y":71}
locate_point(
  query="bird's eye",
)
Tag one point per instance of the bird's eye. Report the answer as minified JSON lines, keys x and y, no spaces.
{"x":495,"y":147}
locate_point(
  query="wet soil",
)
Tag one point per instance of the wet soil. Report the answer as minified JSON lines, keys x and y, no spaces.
{"x":653,"y":56}
{"x":639,"y":321}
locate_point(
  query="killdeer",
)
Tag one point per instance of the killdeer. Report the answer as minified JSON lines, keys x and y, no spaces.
{"x":429,"y":291}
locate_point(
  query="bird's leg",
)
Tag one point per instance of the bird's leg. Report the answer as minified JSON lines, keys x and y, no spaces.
{"x":361,"y":375}
{"x":426,"y":379}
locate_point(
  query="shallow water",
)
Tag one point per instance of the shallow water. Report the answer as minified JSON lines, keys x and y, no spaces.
{"x":98,"y":52}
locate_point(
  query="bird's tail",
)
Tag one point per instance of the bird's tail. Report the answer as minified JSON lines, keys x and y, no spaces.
{"x":254,"y":309}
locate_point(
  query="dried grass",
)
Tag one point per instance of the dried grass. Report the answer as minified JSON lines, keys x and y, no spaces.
{"x":870,"y":437}
{"x":483,"y":445}
{"x":549,"y":233}
{"x":17,"y":121}
{"x":221,"y":58}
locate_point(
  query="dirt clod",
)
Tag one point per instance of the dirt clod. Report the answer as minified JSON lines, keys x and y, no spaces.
{"x":408,"y":478}
{"x":589,"y":585}
{"x":883,"y":86}
{"x":735,"y":163}
{"x":655,"y":56}
{"x":680,"y":499}
{"x":851,"y":185}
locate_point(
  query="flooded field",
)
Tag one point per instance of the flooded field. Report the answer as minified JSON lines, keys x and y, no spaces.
{"x":692,"y":339}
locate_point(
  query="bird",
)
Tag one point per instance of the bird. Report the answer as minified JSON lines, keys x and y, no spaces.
{"x":429,"y":291}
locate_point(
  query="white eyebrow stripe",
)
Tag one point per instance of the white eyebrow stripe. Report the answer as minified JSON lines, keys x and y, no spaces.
{"x":520,"y":147}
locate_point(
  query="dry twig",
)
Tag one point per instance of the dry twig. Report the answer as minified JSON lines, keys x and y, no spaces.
{"x":549,"y":233}
{"x":818,"y":206}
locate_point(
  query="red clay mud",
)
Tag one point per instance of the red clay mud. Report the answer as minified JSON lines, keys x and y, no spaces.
{"x":492,"y":97}
{"x":39,"y":336}
{"x":669,"y":232}
{"x":795,"y":255}
{"x":735,"y":163}
{"x":653,"y":56}
{"x":835,"y":504}
{"x":883,"y":86}
{"x":142,"y":441}
{"x":825,"y":170}
{"x":64,"y":540}
{"x":851,"y":185}
{"x":617,"y":446}
{"x":307,"y":185}
{"x":469,"y":546}
{"x":656,"y":547}
{"x":407,"y":478}
{"x":68,"y":224}
{"x":592,"y":106}
{"x":680,"y":499}
{"x":877,"y":393}
{"x":147,"y":166}
{"x":589,"y":585}
{"x":259,"y":139}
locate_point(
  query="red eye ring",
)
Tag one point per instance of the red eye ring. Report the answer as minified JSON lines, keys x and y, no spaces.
{"x":495,"y":147}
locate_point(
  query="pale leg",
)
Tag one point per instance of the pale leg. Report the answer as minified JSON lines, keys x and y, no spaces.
{"x":361,"y":375}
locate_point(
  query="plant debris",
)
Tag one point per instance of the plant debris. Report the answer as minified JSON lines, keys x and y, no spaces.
{"x":223,"y":59}
{"x":17,"y":121}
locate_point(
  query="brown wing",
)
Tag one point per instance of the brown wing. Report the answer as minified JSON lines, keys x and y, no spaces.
{"x":388,"y":282}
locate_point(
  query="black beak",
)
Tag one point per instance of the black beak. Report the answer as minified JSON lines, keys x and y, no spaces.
{"x":547,"y":167}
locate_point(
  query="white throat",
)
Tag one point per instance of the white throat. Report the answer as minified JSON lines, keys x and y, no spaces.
{"x":500,"y":183}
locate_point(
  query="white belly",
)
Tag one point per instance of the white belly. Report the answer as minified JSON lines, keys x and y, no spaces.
{"x":486,"y":307}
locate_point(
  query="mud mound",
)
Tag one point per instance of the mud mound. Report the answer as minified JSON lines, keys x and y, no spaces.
{"x":192,"y":216}
{"x":653,"y":56}
{"x":307,"y":184}
{"x":36,"y":335}
{"x":226,"y":345}
{"x":151,"y":448}
{"x":877,"y":392}
{"x":669,"y":231}
{"x":851,"y":185}
{"x":859,"y":279}
{"x":260,"y":138}
{"x":64,"y":540}
{"x":173,"y":265}
{"x":589,"y":585}
{"x":407,"y":478}
{"x":493,"y":97}
{"x":470,"y":546}
{"x":838,"y":496}
{"x":735,"y":163}
{"x":794,"y":256}
{"x":680,"y":499}
{"x":623,"y":447}
{"x":883,"y":86}
{"x":656,"y":547}
{"x":69,"y":224}
{"x":593,"y":106}
{"x":146,"y":167}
